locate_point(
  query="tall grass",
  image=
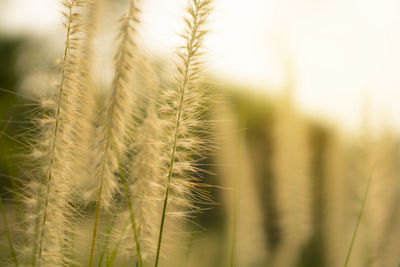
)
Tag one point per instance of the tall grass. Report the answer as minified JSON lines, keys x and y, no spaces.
{"x":113,"y":155}
{"x":113,"y":133}
{"x":47,"y":197}
{"x":185,"y":112}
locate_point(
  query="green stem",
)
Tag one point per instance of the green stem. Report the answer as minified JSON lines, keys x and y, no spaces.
{"x":177,"y":127}
{"x":55,"y":134}
{"x":105,"y":250}
{"x":11,"y":172}
{"x":126,"y":189}
{"x":10,"y":242}
{"x":131,"y":214}
{"x":357,"y":223}
{"x":114,"y":254}
{"x":99,"y":196}
{"x":96,"y":223}
{"x":3,"y":212}
{"x":117,"y":79}
{"x":37,"y":221}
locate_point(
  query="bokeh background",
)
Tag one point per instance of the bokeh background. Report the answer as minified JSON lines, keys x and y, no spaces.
{"x":307,"y":113}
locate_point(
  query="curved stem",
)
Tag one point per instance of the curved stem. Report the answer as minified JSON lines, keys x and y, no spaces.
{"x":177,"y":127}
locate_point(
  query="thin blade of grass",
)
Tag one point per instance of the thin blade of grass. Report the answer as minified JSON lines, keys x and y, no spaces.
{"x":105,"y":250}
{"x":353,"y":239}
{"x":3,"y":212}
{"x":131,"y":214}
{"x":114,"y":254}
{"x":7,"y":229}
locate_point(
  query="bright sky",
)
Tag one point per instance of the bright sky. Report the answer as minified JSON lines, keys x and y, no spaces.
{"x":342,"y":50}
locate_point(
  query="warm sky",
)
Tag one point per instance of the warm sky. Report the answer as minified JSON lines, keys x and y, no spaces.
{"x":341,"y":51}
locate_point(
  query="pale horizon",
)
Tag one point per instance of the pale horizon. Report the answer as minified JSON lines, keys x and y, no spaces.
{"x":341,"y":52}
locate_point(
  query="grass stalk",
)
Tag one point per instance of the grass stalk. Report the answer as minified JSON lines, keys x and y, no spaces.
{"x":105,"y":250}
{"x":7,"y":229}
{"x":96,"y":222}
{"x":117,"y":115}
{"x":111,"y":260}
{"x":353,"y":239}
{"x":98,"y":203}
{"x":171,"y":166}
{"x":55,"y":131}
{"x":130,"y":206}
{"x":11,"y":173}
{"x":191,"y":49}
{"x":6,"y":226}
{"x":131,"y":214}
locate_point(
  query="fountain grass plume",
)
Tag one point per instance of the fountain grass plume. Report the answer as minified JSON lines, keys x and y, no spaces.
{"x":113,"y":133}
{"x":47,"y":196}
{"x":180,"y":110}
{"x":144,"y":176}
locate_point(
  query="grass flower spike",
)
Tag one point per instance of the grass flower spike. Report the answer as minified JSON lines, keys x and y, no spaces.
{"x":180,"y":110}
{"x":113,"y":133}
{"x":47,"y":197}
